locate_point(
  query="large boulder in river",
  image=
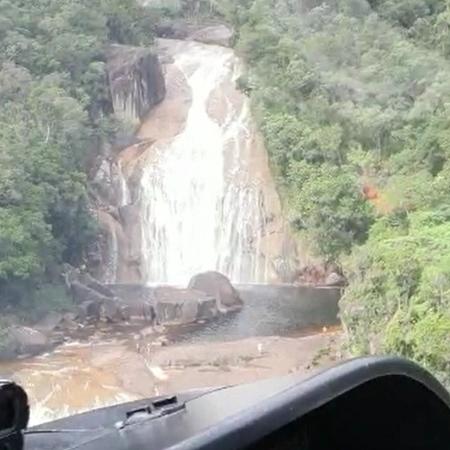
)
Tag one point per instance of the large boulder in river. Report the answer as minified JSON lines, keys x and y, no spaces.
{"x":182,"y":306}
{"x":219,"y":287}
{"x":136,"y":81}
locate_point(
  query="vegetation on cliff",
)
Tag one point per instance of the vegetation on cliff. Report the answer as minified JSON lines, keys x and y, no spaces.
{"x":353,"y":98}
{"x":54,"y":112}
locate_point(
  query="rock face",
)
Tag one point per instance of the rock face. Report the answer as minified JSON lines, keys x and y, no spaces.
{"x":136,"y":84}
{"x":215,"y":34}
{"x":119,"y":254}
{"x":246,"y":236}
{"x":136,"y":81}
{"x":217,"y":286}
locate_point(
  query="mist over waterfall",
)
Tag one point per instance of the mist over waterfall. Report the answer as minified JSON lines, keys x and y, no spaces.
{"x":200,"y":209}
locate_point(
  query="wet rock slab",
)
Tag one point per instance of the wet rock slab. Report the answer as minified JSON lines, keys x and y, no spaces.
{"x":183,"y":306}
{"x":214,"y":33}
{"x":20,"y":340}
{"x":241,"y":361}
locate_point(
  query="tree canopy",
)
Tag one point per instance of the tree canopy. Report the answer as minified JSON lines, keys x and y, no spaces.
{"x":353,"y":97}
{"x":54,"y":111}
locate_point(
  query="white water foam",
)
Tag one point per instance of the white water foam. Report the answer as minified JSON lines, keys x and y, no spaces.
{"x":200,"y":208}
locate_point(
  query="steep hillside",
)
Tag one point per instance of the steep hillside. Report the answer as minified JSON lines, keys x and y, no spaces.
{"x":353,"y":98}
{"x":55,"y":115}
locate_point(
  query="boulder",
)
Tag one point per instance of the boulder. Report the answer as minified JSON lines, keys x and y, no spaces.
{"x":334,"y":279}
{"x":136,"y":81}
{"x":218,"y":286}
{"x":26,"y":341}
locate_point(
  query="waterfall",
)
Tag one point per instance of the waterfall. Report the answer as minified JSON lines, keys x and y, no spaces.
{"x":124,"y":192}
{"x":111,"y":264}
{"x":201,"y":208}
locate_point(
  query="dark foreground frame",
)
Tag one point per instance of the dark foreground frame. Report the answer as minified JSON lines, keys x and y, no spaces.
{"x":362,"y":404}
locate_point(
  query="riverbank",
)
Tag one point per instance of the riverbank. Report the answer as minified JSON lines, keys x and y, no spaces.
{"x":268,"y":310}
{"x":80,"y":376}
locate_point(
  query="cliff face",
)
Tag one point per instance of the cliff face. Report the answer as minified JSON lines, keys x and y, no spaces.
{"x":137,"y":85}
{"x":136,"y":81}
{"x":199,"y":180}
{"x":193,"y":191}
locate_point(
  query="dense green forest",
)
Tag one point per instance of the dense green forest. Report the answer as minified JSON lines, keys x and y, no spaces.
{"x":54,"y":113}
{"x":353,"y":97}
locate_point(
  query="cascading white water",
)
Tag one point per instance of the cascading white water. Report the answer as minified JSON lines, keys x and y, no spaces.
{"x":200,"y":208}
{"x":111,"y":264}
{"x":124,"y":195}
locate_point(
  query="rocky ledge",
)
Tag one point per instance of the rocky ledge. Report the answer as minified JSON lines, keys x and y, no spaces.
{"x":213,"y":33}
{"x":208,"y":296}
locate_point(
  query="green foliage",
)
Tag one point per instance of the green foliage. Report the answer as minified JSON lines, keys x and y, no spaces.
{"x":326,"y":201}
{"x":398,"y":300}
{"x":353,"y":99}
{"x":54,"y":107}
